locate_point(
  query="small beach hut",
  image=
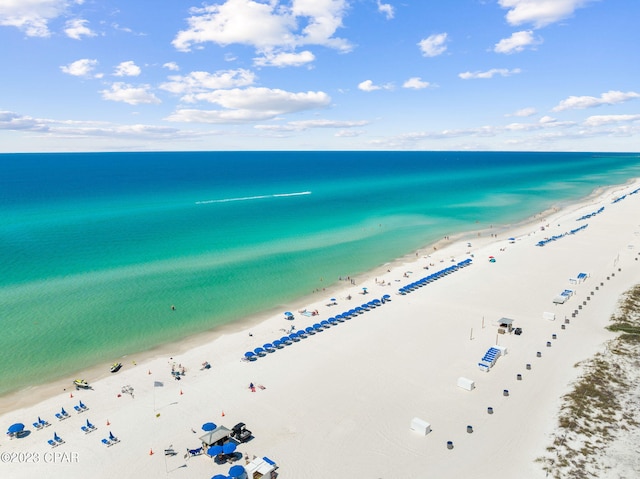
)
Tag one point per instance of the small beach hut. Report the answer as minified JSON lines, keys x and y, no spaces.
{"x":420,"y":426}
{"x":218,"y":436}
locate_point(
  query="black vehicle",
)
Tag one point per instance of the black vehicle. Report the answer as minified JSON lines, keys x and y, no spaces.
{"x":240,"y":432}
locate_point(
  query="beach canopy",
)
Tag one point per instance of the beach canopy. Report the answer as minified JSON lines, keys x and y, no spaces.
{"x":249,"y":354}
{"x":220,"y":476}
{"x":208,"y":426}
{"x":236,"y":471}
{"x":229,"y":447}
{"x":214,"y":450}
{"x":17,"y":427}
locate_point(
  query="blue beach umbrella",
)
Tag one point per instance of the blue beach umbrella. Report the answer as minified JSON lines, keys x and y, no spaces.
{"x":220,"y":476}
{"x":258,"y":351}
{"x":277,"y":343}
{"x":309,"y":330}
{"x":288,"y":315}
{"x":387,"y":297}
{"x":208,"y":426}
{"x":214,"y":450}
{"x":325,"y":323}
{"x":236,"y":471}
{"x":15,"y":428}
{"x":267,"y":346}
{"x":317,"y":327}
{"x":250,"y":355}
{"x":294,"y":337}
{"x":229,"y":447}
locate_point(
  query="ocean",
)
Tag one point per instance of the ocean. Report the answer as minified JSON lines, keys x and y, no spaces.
{"x":95,"y":248}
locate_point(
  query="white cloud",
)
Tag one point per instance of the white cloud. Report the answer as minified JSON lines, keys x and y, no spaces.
{"x":129,"y":94}
{"x":386,"y":9}
{"x":516,"y":42}
{"x":540,"y":12}
{"x":285,"y":59}
{"x":416,"y":83}
{"x":609,"y":98}
{"x":368,"y":86}
{"x":489,"y":73}
{"x":32,"y":16}
{"x":265,"y":26}
{"x":547,"y":119}
{"x":307,"y":124}
{"x":173,"y":66}
{"x":598,"y":120}
{"x":12,"y":121}
{"x":81,"y":68}
{"x":127,"y":69}
{"x":251,"y":104}
{"x":77,"y":28}
{"x":198,"y":82}
{"x":524,"y":112}
{"x":433,"y":45}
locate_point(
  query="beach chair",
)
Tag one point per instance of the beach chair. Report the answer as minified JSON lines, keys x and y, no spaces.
{"x":58,"y":439}
{"x":43,"y":422}
{"x":90,"y":426}
{"x":78,"y":409}
{"x":106,"y":442}
{"x":112,"y":438}
{"x":83,"y":406}
{"x":86,"y":429}
{"x":52,"y":443}
{"x":38,"y":425}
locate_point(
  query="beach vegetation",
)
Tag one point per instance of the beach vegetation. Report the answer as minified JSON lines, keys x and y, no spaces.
{"x":599,"y":408}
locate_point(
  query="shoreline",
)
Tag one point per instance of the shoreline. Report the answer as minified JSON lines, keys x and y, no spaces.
{"x":31,"y":395}
{"x":351,"y":390}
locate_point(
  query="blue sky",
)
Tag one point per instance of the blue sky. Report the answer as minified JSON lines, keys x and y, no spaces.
{"x":109,"y":75}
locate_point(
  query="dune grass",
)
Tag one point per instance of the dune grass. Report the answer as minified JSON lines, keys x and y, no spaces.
{"x":599,"y":408}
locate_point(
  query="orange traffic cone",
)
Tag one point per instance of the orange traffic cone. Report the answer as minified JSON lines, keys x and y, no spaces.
{"x":181,"y":392}
{"x":222,"y":413}
{"x":70,"y":395}
{"x":108,"y":423}
{"x":151,"y":452}
{"x":149,"y":371}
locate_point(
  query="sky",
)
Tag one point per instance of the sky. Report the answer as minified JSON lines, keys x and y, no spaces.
{"x":179,"y":75}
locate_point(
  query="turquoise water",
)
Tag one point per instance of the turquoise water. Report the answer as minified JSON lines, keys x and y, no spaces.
{"x":95,"y":248}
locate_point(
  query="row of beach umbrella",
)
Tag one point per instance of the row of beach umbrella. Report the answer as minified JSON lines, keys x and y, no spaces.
{"x":318,"y":327}
{"x":433,"y":277}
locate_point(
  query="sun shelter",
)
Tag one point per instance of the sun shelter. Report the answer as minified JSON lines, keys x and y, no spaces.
{"x":421,"y":426}
{"x":218,"y":436}
{"x":261,"y":467}
{"x":506,"y":324}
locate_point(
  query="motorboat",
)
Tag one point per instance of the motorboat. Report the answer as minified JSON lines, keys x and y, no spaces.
{"x":116,"y":367}
{"x":81,"y":383}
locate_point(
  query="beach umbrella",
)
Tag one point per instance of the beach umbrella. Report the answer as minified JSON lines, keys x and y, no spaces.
{"x":258,"y":351}
{"x":214,"y":450}
{"x":15,"y":428}
{"x":220,"y":476}
{"x":288,"y":315}
{"x":277,"y":343}
{"x":236,"y":471}
{"x":267,"y":346}
{"x":325,"y":323}
{"x":250,"y":355}
{"x":317,"y":327}
{"x":285,"y":339}
{"x":208,"y":426}
{"x":333,"y":300}
{"x":309,"y":330}
{"x":294,"y":337}
{"x":229,"y":447}
{"x":387,"y":296}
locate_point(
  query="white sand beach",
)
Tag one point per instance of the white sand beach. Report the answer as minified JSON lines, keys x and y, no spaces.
{"x":339,"y":403}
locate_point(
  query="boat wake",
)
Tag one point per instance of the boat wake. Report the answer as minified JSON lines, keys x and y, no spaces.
{"x":247,"y":198}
